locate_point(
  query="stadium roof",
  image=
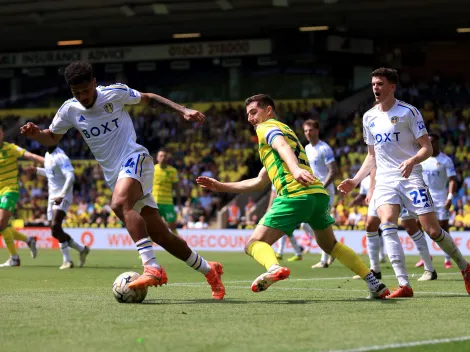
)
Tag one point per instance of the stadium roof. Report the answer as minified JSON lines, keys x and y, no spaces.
{"x":39,"y":24}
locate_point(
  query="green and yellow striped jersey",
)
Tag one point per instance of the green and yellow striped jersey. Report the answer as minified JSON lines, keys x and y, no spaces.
{"x":163,"y":180}
{"x":278,"y":172}
{"x":9,"y":154}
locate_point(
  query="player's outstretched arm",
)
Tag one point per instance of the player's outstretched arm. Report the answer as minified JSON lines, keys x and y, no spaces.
{"x":253,"y":184}
{"x":369,"y":163}
{"x":33,"y":157}
{"x":44,"y":137}
{"x":423,"y":153}
{"x":302,"y":176}
{"x":155,"y":101}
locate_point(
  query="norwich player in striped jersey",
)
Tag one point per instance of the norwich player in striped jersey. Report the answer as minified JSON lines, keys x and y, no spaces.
{"x":165,"y":180}
{"x":9,"y":195}
{"x":301,"y":198}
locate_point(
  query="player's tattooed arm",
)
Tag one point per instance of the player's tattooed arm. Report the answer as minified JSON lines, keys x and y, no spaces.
{"x":155,"y":101}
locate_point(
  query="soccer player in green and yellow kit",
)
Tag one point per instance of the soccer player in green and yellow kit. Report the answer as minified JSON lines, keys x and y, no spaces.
{"x":301,"y":198}
{"x":9,"y":195}
{"x":165,"y":180}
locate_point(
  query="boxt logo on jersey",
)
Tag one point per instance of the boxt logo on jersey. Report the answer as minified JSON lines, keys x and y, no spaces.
{"x":102,"y":129}
{"x":386,"y":137}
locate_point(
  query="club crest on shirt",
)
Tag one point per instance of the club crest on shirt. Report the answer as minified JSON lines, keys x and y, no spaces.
{"x":394,"y":120}
{"x":438,"y":164}
{"x":108,"y":107}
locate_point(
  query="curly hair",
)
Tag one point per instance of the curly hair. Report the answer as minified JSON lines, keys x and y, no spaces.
{"x":78,"y":72}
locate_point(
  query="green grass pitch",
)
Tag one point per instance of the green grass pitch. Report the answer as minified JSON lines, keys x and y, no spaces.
{"x":46,"y":309}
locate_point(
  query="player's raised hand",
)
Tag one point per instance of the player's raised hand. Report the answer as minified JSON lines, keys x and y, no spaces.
{"x":406,"y":167}
{"x":194,"y":116}
{"x":347,"y":186}
{"x":303,"y":176}
{"x":30,"y":130}
{"x":209,"y":183}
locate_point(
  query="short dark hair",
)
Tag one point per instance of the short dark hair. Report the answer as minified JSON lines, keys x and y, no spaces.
{"x":312,"y":123}
{"x":263,"y":101}
{"x":78,"y":72}
{"x":163,"y":150}
{"x":434,"y":135}
{"x":389,"y":73}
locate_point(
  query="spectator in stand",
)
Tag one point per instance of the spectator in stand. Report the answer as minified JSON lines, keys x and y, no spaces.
{"x":249,"y":205}
{"x":234,"y":215}
{"x":201,"y":223}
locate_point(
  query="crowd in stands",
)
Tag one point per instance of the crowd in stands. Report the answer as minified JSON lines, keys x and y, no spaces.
{"x":225,"y":147}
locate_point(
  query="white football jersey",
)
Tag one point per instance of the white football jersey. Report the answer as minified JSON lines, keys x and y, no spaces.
{"x":106,"y":127}
{"x":56,"y":165}
{"x":394,"y":136}
{"x":319,"y":156}
{"x":436,"y":173}
{"x":365,"y":185}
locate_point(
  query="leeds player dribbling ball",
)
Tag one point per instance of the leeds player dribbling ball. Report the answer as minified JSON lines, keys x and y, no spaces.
{"x":123,"y":293}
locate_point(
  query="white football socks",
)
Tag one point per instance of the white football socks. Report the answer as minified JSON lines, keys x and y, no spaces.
{"x":373,"y":250}
{"x":395,"y":252}
{"x":198,"y":263}
{"x":420,"y":240}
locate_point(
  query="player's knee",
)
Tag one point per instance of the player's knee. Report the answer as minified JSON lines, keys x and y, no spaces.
{"x":371,"y":227}
{"x":119,"y":206}
{"x":3,"y":224}
{"x":432,"y":231}
{"x":247,"y":246}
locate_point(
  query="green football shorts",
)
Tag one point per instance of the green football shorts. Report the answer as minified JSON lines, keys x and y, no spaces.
{"x":8,"y":201}
{"x":286,"y":214}
{"x":167,"y":212}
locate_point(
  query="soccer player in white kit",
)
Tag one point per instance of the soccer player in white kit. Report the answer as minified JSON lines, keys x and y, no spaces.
{"x":374,"y":245}
{"x":323,"y":164}
{"x":60,"y":178}
{"x":99,"y":114}
{"x":397,"y":143}
{"x":437,"y":171}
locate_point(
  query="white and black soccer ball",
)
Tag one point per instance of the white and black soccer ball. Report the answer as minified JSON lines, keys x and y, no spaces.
{"x":123,"y":293}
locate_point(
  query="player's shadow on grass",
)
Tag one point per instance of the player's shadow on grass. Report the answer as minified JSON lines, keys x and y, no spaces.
{"x":438,"y":296}
{"x":275,"y":301}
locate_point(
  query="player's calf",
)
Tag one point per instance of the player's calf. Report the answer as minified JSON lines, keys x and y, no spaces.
{"x":178,"y":247}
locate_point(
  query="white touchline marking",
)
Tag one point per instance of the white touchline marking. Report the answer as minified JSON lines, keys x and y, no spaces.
{"x":404,"y":344}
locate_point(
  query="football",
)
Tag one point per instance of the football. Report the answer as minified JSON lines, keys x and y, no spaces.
{"x":123,"y":293}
